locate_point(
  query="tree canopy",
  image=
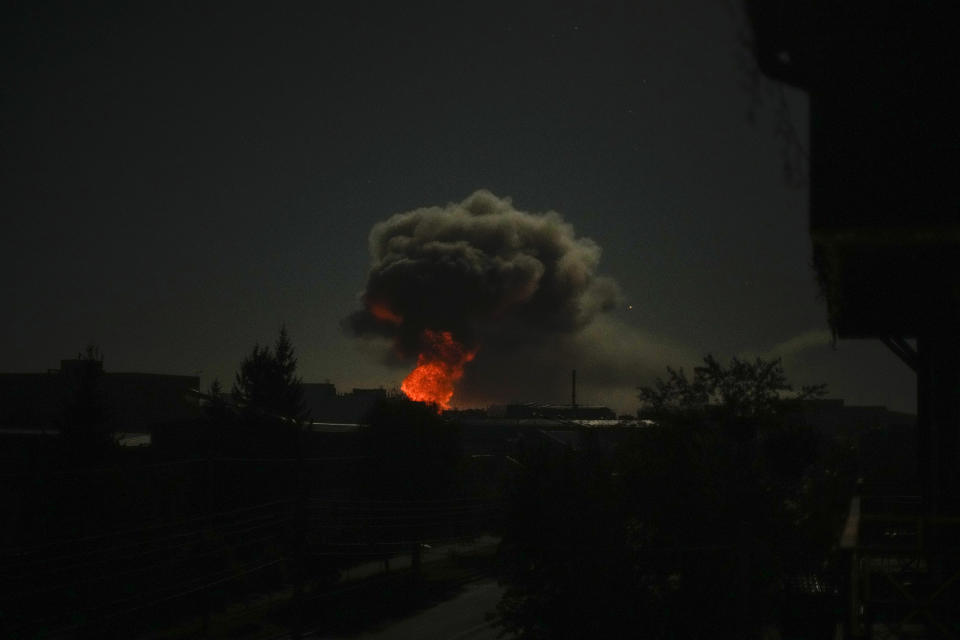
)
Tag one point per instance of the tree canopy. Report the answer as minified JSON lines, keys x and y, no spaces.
{"x":690,"y":527}
{"x":267,"y":385}
{"x":742,"y":390}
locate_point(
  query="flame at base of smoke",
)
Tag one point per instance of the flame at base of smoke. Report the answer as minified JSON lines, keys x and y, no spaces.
{"x":439,"y":367}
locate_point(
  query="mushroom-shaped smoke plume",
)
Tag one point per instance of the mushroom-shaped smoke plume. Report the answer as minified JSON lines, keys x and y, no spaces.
{"x":490,"y":275}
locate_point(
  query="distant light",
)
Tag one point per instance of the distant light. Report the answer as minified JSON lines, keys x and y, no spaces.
{"x":629,"y":307}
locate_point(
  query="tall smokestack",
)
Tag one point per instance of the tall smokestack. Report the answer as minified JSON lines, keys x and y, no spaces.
{"x":573,"y":388}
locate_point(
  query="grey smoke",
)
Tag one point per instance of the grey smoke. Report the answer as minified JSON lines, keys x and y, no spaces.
{"x":520,"y":287}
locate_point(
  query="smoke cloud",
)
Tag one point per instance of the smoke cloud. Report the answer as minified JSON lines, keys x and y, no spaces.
{"x":792,"y":348}
{"x":518,"y":287}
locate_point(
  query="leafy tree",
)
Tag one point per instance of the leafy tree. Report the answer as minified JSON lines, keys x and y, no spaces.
{"x":267,"y":387}
{"x":215,"y":394}
{"x":744,"y":390}
{"x":688,"y":529}
{"x":218,"y":418}
{"x":745,"y":407}
{"x":638,"y":543}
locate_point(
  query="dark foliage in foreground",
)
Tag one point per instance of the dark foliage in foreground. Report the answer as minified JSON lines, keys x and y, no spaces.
{"x":692,"y":528}
{"x":267,"y":385}
{"x":414,"y":453}
{"x":244,"y":502}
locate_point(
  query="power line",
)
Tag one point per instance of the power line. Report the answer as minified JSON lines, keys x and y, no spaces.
{"x":170,"y":463}
{"x":107,"y":605}
{"x":265,"y":521}
{"x":174,"y":596}
{"x":394,"y":525}
{"x":351,"y":520}
{"x":396,"y":515}
{"x":122,"y":469}
{"x":377,"y":502}
{"x":158,"y":525}
{"x":140,"y":569}
{"x":445,"y":540}
{"x":355,"y":518}
{"x":411,"y":505}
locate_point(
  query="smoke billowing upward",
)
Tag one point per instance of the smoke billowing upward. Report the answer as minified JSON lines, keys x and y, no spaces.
{"x":500,"y":280}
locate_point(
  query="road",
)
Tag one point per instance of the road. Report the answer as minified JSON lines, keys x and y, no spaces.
{"x":460,"y":618}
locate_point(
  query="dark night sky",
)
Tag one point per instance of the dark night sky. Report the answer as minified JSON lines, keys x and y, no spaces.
{"x":179,"y":181}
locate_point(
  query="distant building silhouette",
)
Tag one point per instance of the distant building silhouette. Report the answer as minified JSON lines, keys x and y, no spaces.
{"x":326,"y":405}
{"x":558,"y":411}
{"x":136,"y":401}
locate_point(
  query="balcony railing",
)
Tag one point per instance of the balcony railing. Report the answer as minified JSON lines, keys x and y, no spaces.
{"x":902,"y":568}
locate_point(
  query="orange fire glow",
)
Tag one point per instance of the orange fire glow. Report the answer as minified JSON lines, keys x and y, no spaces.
{"x":383,"y":312}
{"x":439,"y":367}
